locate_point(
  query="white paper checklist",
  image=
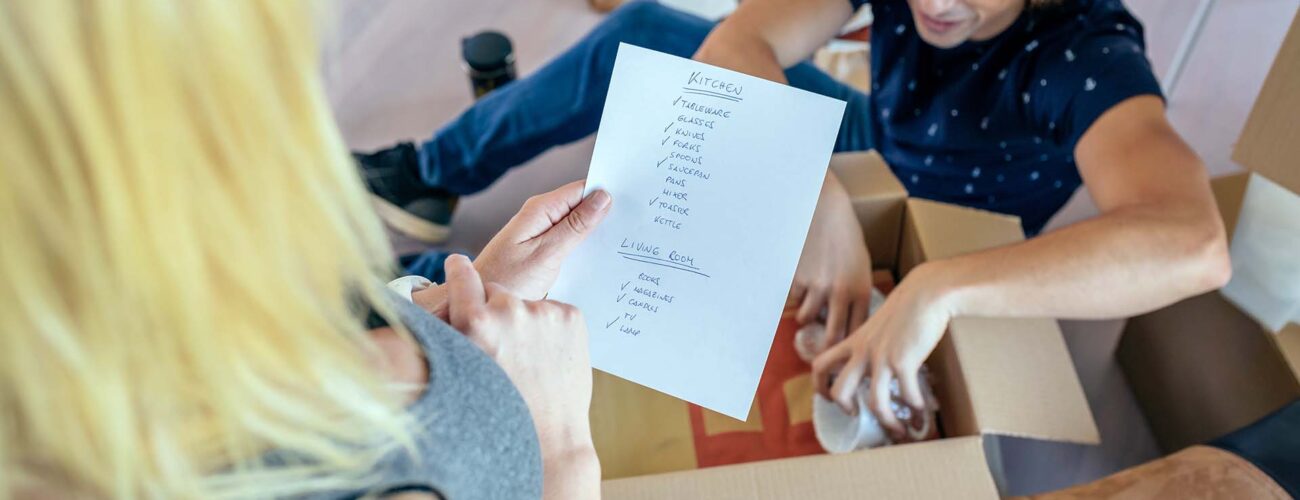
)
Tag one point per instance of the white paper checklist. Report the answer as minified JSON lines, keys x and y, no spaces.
{"x":714,"y":175}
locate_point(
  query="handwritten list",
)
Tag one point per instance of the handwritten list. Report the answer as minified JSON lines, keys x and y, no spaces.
{"x":714,"y":175}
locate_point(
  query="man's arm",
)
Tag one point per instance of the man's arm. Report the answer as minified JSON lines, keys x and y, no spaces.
{"x":762,"y":38}
{"x":1157,"y":240}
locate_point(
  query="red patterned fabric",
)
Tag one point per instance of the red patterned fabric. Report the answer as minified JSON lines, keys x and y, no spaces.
{"x":777,"y":437}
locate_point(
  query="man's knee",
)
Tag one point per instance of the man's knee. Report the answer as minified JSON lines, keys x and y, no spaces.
{"x":639,"y":12}
{"x":647,"y":18}
{"x":648,"y":24}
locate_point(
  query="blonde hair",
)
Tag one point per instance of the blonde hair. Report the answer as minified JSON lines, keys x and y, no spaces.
{"x":184,"y":242}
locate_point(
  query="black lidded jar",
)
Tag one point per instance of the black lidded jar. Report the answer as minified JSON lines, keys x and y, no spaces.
{"x":489,"y":60}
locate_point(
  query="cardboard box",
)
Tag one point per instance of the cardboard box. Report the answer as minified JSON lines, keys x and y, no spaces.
{"x":1202,"y":368}
{"x":992,"y":376}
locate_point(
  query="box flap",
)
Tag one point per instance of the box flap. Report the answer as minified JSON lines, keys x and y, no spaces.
{"x":947,"y":468}
{"x":946,"y":230}
{"x":1021,"y":379}
{"x":1229,"y":191}
{"x":1270,"y":141}
{"x":638,"y":430}
{"x":1201,"y":368}
{"x":1017,"y":373}
{"x":877,"y":198}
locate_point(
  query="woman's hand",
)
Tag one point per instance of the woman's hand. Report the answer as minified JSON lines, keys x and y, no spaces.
{"x":525,"y":256}
{"x":834,"y":270}
{"x":891,"y":344}
{"x":541,"y":345}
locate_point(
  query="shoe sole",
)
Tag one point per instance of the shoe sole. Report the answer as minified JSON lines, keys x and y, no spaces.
{"x":410,"y":225}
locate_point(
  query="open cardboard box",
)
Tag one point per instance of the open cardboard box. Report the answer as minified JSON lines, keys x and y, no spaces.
{"x":991,"y":376}
{"x":1202,"y":368}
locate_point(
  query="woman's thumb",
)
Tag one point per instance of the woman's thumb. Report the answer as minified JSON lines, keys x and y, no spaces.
{"x":579,"y":222}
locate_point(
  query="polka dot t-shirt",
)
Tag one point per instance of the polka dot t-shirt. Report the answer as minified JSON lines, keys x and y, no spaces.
{"x":993,"y":124}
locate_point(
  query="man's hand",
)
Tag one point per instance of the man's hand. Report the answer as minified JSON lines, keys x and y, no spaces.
{"x":1158,"y":240}
{"x":892,"y":344}
{"x":834,"y":271}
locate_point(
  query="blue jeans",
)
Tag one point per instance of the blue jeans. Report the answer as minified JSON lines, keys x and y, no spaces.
{"x":562,"y":102}
{"x":1272,"y":444}
{"x":428,"y":264}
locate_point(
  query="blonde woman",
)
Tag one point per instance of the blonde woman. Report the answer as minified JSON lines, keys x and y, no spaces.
{"x":188,"y":256}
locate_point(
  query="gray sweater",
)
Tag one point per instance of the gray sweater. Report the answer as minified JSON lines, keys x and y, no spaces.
{"x":475,"y":438}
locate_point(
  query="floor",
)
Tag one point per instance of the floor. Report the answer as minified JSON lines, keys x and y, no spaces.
{"x":393,"y":72}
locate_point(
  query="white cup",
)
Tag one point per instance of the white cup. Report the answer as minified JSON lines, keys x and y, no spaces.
{"x":839,"y":432}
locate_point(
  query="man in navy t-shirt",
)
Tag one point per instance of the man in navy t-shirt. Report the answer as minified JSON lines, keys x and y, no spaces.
{"x":1004,"y":105}
{"x":994,"y":123}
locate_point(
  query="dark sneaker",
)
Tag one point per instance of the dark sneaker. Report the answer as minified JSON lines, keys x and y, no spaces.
{"x":402,"y":198}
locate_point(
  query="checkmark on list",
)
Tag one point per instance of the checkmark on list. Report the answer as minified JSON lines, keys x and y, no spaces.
{"x":620,"y":298}
{"x":670,"y":125}
{"x":665,"y":141}
{"x":652,"y":202}
{"x":661,"y":162}
{"x":624,"y":287}
{"x":611,"y":323}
